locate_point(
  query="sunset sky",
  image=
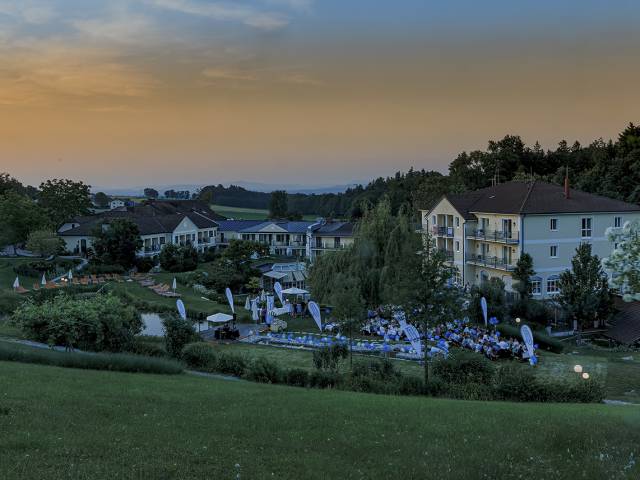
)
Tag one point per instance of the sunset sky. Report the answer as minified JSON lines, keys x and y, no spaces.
{"x":152,"y":92}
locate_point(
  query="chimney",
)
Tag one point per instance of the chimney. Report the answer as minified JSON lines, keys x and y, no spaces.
{"x":567,"y":194}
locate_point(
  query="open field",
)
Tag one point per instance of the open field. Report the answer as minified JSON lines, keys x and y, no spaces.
{"x":64,"y":423}
{"x":242,"y":213}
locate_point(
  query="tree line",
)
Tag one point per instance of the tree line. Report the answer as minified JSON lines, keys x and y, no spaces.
{"x":610,"y":168}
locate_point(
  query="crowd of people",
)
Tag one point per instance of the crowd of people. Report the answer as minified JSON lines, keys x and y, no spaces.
{"x":461,"y":333}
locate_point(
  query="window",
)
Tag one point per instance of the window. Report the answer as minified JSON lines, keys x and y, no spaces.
{"x":553,"y":285}
{"x":457,"y":246}
{"x":433,"y":220}
{"x":457,"y":222}
{"x":617,"y":222}
{"x":553,"y":251}
{"x":536,"y":287}
{"x":553,"y":224}
{"x":586,"y":228}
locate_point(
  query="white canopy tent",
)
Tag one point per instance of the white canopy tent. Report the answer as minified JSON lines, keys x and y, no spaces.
{"x":295,"y":291}
{"x":219,"y":318}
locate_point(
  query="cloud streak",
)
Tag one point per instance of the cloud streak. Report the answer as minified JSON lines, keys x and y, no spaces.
{"x":260,"y":19}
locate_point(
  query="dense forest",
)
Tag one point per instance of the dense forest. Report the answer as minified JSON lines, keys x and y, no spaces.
{"x":610,"y":168}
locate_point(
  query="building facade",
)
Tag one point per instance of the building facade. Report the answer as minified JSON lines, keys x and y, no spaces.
{"x":484,"y":233}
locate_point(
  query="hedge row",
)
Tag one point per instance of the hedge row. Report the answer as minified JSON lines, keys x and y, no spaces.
{"x":13,"y":352}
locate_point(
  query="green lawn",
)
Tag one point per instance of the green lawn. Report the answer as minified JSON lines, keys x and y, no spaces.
{"x":65,"y":423}
{"x":192,"y":300}
{"x":242,"y":213}
{"x":7,"y":275}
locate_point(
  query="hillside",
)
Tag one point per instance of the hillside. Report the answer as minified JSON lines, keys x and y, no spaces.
{"x":64,"y":423}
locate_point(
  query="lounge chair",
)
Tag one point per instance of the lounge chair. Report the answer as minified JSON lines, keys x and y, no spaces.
{"x":21,"y":290}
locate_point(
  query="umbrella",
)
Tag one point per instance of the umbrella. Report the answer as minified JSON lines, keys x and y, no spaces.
{"x":16,"y":284}
{"x":219,"y":318}
{"x":263,"y":296}
{"x":295,"y":291}
{"x":175,"y":285}
{"x":70,"y":275}
{"x":44,"y":280}
{"x":247,"y":304}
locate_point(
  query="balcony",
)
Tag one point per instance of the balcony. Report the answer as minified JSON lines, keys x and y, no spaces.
{"x":442,"y":231}
{"x":497,"y":236}
{"x":328,"y":246}
{"x":491,"y":262}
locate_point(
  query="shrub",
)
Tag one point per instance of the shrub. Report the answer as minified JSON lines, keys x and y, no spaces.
{"x":177,"y":334}
{"x":410,"y":385}
{"x":329,"y":358}
{"x":232,"y":364}
{"x":263,"y":370}
{"x":469,"y":391}
{"x":435,"y":387}
{"x":463,"y":367}
{"x":324,"y":379}
{"x":200,"y":355}
{"x":140,"y":346}
{"x":145,"y":264}
{"x":517,"y":382}
{"x":543,"y":340}
{"x":9,"y":302}
{"x":297,"y":377}
{"x":102,"y":322}
{"x":96,"y":361}
{"x":178,"y":259}
{"x":97,"y":268}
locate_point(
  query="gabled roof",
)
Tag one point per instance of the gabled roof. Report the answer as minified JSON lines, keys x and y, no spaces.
{"x":282,"y":225}
{"x":335,"y":229}
{"x":237,"y":225}
{"x":534,"y":198}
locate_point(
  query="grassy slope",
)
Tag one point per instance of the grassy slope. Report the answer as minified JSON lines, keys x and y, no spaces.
{"x":7,"y":275}
{"x":67,"y":423}
{"x":242,"y":213}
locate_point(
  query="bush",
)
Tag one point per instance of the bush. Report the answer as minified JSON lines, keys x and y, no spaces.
{"x":544,"y":341}
{"x":97,"y":361}
{"x":263,"y":370}
{"x":469,"y":391}
{"x":410,"y":385}
{"x":177,"y":259}
{"x":96,"y":268}
{"x":98,"y":323}
{"x":324,"y":379}
{"x":177,"y":334}
{"x":517,"y":382}
{"x":200,"y":356}
{"x":145,"y":264}
{"x":435,"y":387}
{"x":464,"y":367}
{"x":9,"y":303}
{"x":297,"y":377}
{"x":329,"y":358}
{"x":232,"y":364}
{"x":140,"y":346}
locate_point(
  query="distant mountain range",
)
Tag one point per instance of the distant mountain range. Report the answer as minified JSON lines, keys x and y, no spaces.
{"x":252,"y":186}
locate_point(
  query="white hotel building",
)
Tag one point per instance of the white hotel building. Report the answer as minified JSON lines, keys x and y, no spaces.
{"x":484,"y":232}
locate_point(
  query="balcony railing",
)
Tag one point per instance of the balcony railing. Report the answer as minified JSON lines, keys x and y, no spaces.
{"x":442,"y":231}
{"x":492,"y":262}
{"x":494,"y":235}
{"x":328,"y":246}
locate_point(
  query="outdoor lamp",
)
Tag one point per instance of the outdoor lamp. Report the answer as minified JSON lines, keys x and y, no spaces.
{"x":585,"y":375}
{"x":518,"y":320}
{"x":577,"y":369}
